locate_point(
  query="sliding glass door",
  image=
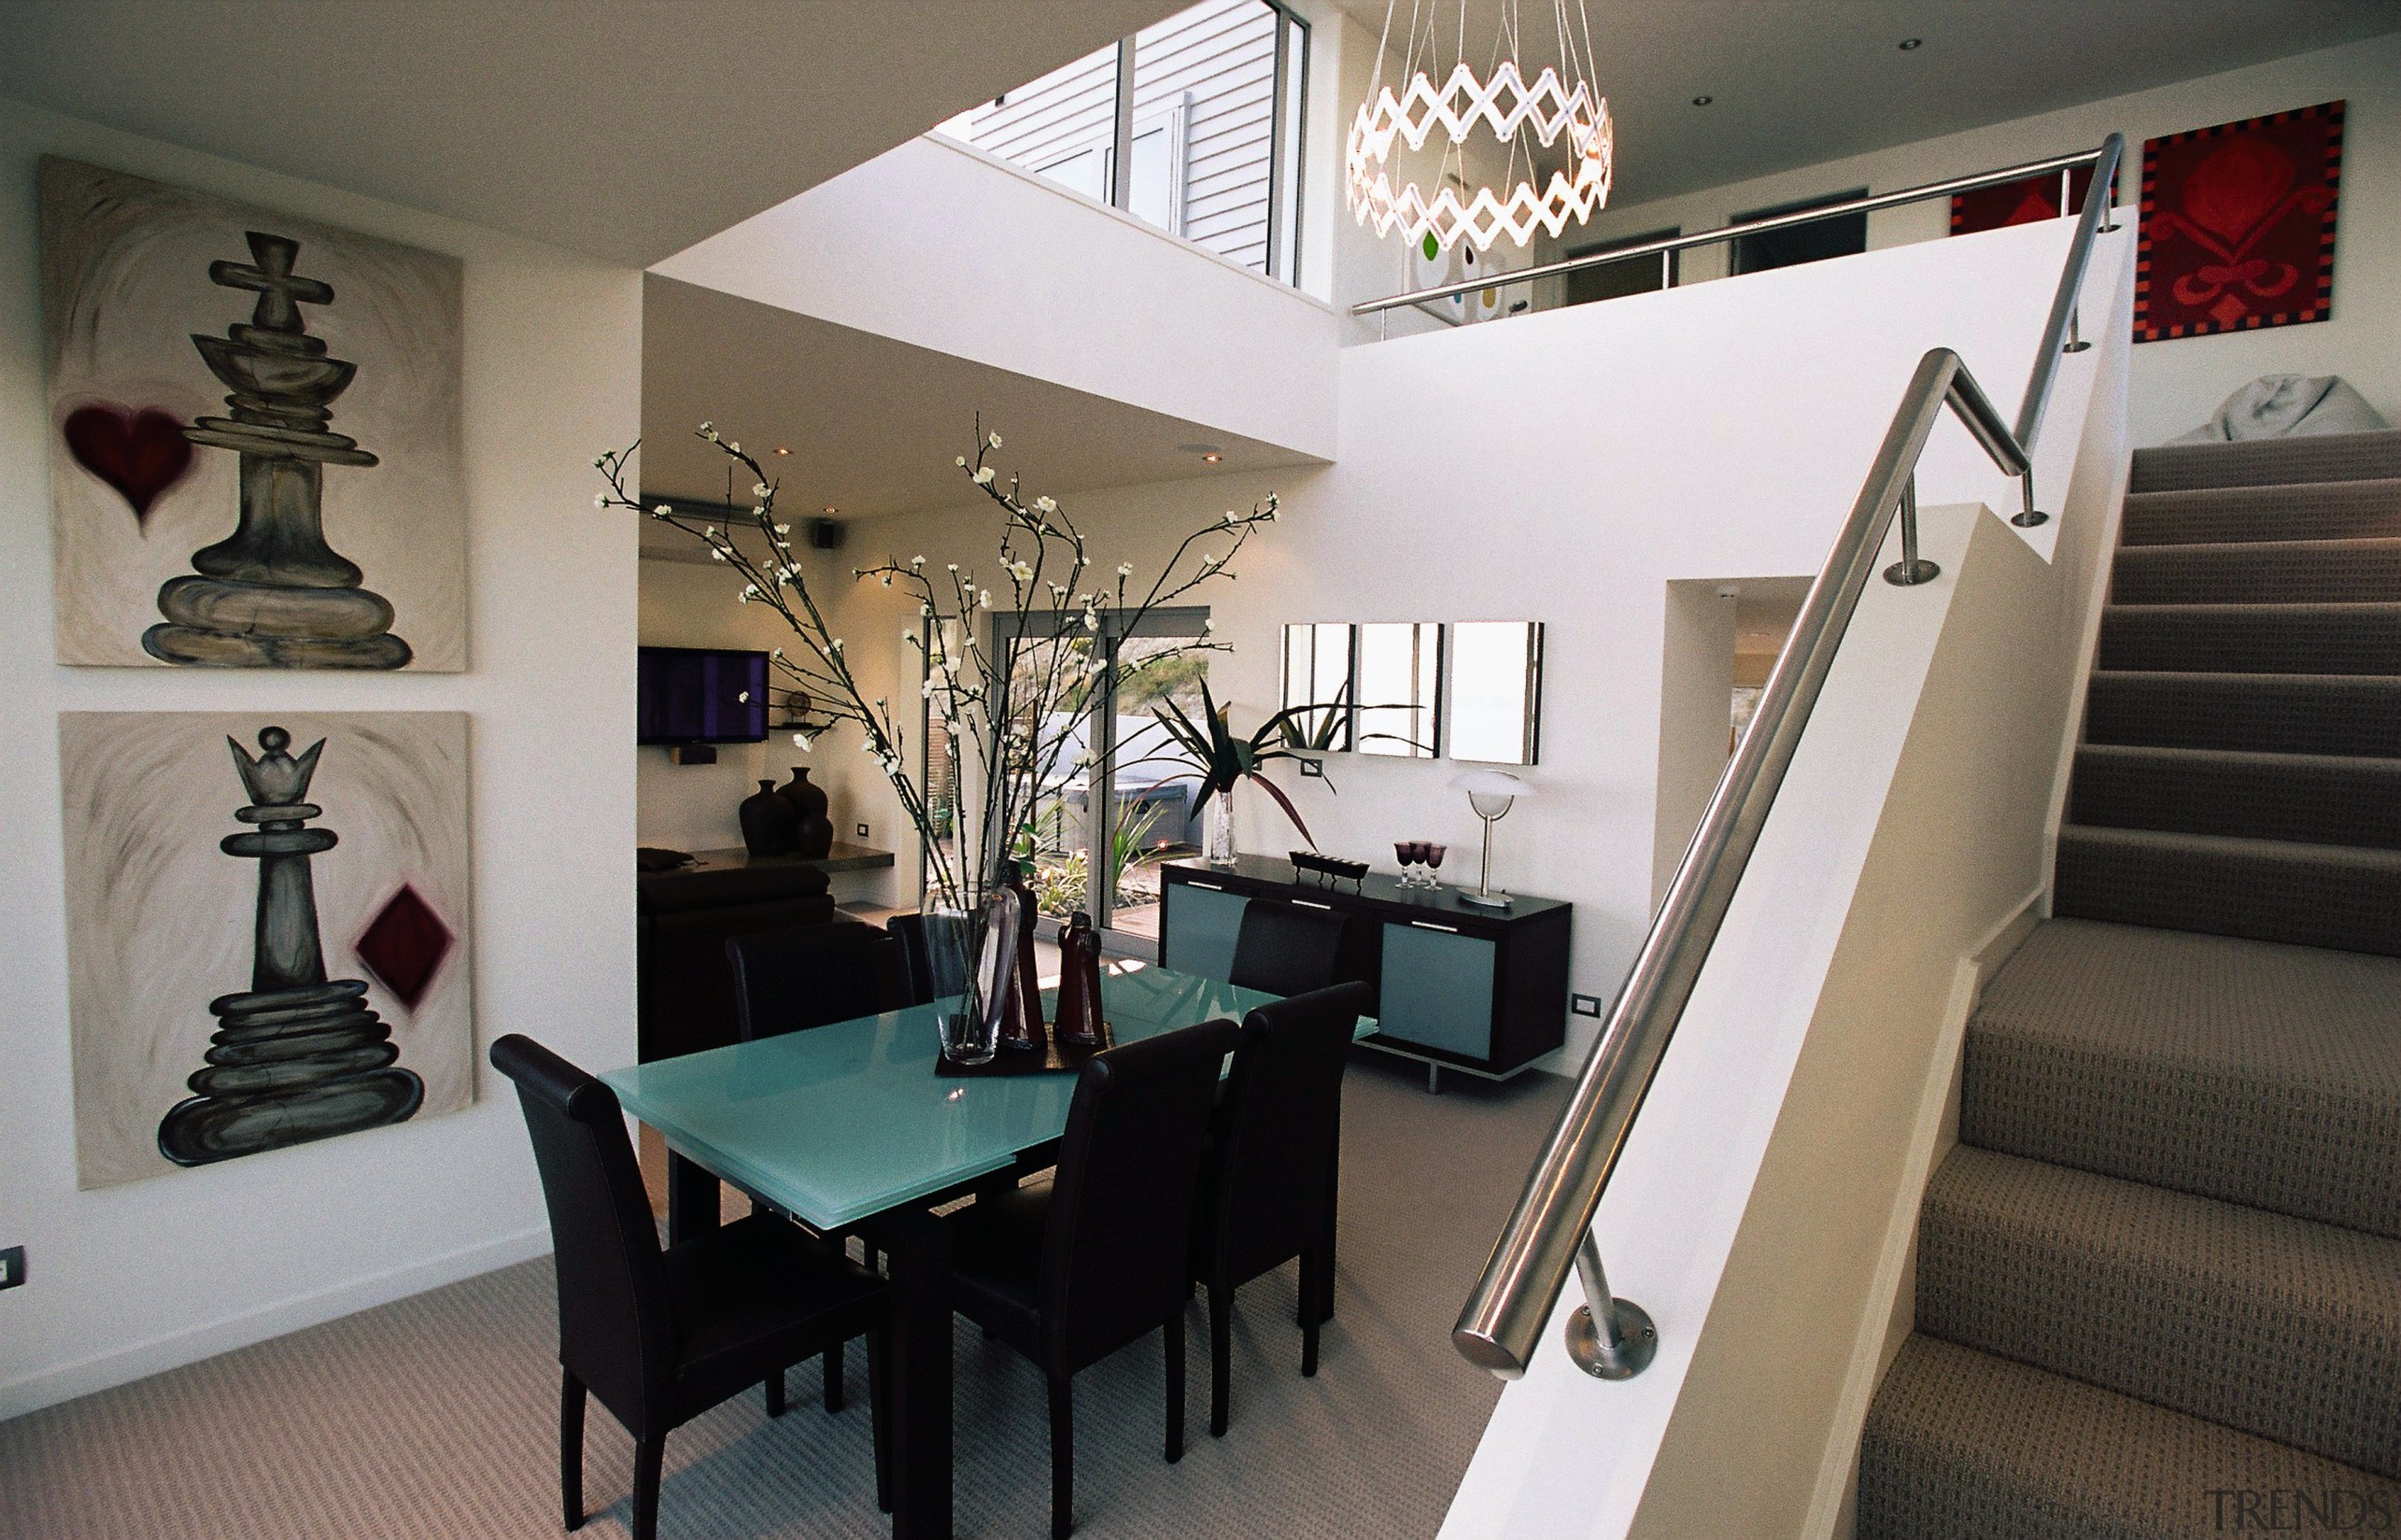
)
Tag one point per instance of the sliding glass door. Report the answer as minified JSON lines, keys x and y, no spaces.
{"x":1108,"y":803}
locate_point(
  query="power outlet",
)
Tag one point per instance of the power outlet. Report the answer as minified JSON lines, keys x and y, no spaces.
{"x":1313,"y":769}
{"x":861,"y":831}
{"x":1585,"y":1004}
{"x":12,"y":1267}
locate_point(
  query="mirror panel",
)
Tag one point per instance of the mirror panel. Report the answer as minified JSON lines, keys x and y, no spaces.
{"x":1317,"y":673}
{"x":1496,"y":691}
{"x":1399,"y":688}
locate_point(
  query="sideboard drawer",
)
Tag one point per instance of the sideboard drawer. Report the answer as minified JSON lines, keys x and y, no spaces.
{"x":1201,"y":926}
{"x":1437,"y":989}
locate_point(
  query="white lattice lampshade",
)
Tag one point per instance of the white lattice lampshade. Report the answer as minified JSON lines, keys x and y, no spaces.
{"x":1506,"y":108}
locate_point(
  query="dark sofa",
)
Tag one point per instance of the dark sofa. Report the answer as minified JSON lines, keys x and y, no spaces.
{"x":685,"y":916}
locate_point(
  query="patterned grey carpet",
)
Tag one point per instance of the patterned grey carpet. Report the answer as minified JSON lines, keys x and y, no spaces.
{"x":435,"y":1417}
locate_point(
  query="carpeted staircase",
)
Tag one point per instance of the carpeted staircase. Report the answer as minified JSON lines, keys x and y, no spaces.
{"x":2159,"y":1280}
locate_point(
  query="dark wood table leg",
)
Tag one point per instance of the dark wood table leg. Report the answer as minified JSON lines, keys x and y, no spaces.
{"x":917,"y":1247}
{"x":693,"y":1194}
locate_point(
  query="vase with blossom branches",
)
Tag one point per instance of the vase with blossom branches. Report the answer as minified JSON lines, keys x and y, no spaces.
{"x":1014,"y":659}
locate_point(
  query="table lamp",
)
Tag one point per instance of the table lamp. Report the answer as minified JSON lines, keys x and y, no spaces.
{"x":1489,"y":792}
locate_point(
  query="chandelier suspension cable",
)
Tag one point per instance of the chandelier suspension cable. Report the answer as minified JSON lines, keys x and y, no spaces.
{"x":1561,"y":101}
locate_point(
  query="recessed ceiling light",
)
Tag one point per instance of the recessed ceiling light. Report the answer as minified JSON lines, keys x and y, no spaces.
{"x":781,"y":450}
{"x":1702,"y":101}
{"x":829,"y":508}
{"x":1911,"y":45}
{"x":1209,"y":452}
{"x":1213,"y":456}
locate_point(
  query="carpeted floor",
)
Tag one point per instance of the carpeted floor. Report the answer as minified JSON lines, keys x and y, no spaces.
{"x":435,"y":1417}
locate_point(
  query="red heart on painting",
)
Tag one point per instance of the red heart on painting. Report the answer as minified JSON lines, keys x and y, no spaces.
{"x":141,"y":454}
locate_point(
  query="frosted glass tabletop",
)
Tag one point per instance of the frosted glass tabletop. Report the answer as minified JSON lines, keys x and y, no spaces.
{"x":842,"y":1121}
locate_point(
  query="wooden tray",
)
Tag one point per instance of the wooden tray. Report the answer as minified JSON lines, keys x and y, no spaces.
{"x":1055,"y":1058}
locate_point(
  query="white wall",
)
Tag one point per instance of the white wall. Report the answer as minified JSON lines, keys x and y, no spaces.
{"x":946,"y":247}
{"x":2175,"y":383}
{"x":131,"y":1279}
{"x":1563,"y":467}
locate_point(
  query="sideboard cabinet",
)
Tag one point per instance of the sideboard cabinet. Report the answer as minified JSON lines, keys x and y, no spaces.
{"x":1457,"y":985}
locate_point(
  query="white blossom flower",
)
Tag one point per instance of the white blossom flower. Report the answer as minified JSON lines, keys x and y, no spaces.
{"x":783,"y":529}
{"x":954,"y":566}
{"x":663,"y":510}
{"x":916,"y":562}
{"x":708,"y":427}
{"x":778,"y":652}
{"x":1208,"y":626}
{"x":1058,"y":591}
{"x":758,"y":489}
{"x":804,"y":741}
{"x":984,"y":599}
{"x":1022,"y":570}
{"x":963,"y":460}
{"x":1208,"y":562}
{"x":909,"y":637}
{"x":983,"y":475}
{"x":599,"y":500}
{"x":718,"y":552}
{"x":735,"y":447}
{"x":749,"y":591}
{"x":1046,"y":504}
{"x":1230,"y":519}
{"x":744,"y":697}
{"x":836,"y":644}
{"x":1091,"y":620}
{"x":1124,"y":569}
{"x":992,"y":439}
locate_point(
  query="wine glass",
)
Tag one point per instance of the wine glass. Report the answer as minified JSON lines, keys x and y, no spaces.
{"x":1434,"y":854}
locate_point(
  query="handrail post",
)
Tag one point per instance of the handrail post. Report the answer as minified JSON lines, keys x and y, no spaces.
{"x":1912,"y":569}
{"x":2027,"y":516}
{"x":1609,"y":1339}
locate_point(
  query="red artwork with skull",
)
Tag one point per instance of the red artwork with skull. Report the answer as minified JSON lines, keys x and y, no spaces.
{"x":2238,"y":225}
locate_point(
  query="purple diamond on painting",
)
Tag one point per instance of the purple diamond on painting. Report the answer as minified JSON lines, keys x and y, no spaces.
{"x":404,"y":945}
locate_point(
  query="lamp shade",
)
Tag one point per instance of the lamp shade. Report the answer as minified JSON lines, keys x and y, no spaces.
{"x":1490,"y":792}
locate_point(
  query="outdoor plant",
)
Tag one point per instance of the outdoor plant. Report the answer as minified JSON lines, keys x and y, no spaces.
{"x":1012,"y":714}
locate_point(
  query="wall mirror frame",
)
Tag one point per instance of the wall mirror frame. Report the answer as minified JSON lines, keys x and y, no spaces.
{"x":1494,"y":710}
{"x":1318,"y":661}
{"x":1398,"y":676}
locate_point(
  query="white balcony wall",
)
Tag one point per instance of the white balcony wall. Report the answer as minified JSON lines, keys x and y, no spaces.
{"x":944,"y":246}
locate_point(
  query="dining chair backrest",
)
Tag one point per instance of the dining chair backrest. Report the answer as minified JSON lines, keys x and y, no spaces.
{"x":616,"y":1323}
{"x":814,"y":975}
{"x":1279,"y":1129}
{"x":1115,"y":1254}
{"x":918,"y":935}
{"x":1286,"y":949}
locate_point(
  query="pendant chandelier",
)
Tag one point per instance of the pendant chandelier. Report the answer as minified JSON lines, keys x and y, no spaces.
{"x":1485,"y":184}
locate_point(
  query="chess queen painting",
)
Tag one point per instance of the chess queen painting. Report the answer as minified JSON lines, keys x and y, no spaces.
{"x":267,"y":931}
{"x":255,"y":442}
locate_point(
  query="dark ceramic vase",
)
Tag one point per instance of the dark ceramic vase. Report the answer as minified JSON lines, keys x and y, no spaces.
{"x":769,"y":825}
{"x":814,"y":829}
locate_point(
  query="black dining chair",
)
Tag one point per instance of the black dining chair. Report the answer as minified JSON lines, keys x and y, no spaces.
{"x":1268,"y":1182}
{"x":662,"y":1335}
{"x":1285,"y":948}
{"x":917,"y":935}
{"x":814,"y":975}
{"x":1068,"y":1271}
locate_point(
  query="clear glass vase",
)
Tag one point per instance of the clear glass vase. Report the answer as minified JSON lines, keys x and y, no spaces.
{"x":1218,"y":830}
{"x":969,"y":954}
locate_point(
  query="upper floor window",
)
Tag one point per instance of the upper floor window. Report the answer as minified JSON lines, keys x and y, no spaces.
{"x":1192,"y":125}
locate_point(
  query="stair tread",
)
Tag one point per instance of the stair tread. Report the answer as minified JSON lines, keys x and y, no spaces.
{"x":2285,"y":1327}
{"x":2252,"y":1071}
{"x":2325,"y":713}
{"x":1966,"y":1446}
{"x":2259,"y":572}
{"x":2335,"y":799}
{"x":2359,"y":857}
{"x":2274,"y":512}
{"x":2319,"y":637}
{"x":2279,"y":461}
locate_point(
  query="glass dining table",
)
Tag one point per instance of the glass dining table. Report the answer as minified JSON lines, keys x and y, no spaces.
{"x":848,"y":1127}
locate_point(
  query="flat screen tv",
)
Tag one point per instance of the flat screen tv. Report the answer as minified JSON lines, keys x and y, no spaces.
{"x":699,"y":695}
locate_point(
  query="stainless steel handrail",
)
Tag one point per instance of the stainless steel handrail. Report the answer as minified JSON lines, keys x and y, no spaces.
{"x":1549,"y":1234}
{"x":2060,"y":327}
{"x":1756,"y":227}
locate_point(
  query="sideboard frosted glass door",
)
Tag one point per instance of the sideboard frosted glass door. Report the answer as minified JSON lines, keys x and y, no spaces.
{"x":1437,"y":989}
{"x":1202,"y":925}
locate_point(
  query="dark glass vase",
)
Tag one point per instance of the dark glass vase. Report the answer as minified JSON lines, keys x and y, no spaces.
{"x":769,"y":826}
{"x":813,"y":830}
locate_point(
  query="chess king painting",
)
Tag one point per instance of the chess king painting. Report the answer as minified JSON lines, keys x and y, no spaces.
{"x":255,"y":450}
{"x":268,"y":923}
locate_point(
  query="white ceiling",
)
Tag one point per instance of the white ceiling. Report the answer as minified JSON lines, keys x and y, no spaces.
{"x":1796,"y":84}
{"x":627,"y":129}
{"x":873,"y":425}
